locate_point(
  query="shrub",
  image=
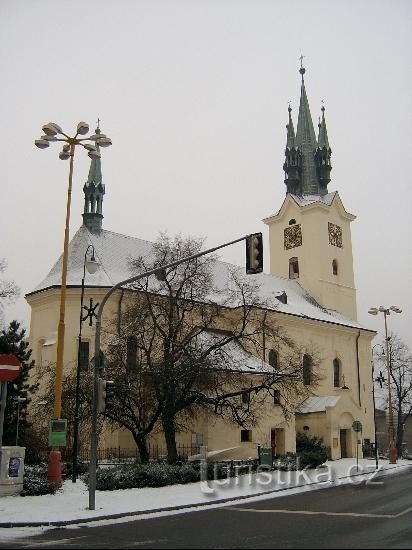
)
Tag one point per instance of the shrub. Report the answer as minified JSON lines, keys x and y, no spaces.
{"x":285,"y":463}
{"x":35,"y":481}
{"x":310,"y":450}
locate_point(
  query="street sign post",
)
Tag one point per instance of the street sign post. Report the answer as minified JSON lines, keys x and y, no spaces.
{"x":357,"y":427}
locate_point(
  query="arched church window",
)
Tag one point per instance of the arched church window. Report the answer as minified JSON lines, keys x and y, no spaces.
{"x":293,"y":268}
{"x":307,"y":370}
{"x":336,"y":373}
{"x":335,"y":267}
{"x":131,"y":353}
{"x":273,"y":358}
{"x":292,"y":221}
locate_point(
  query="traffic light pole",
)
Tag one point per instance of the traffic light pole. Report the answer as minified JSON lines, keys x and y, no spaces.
{"x":97,"y":355}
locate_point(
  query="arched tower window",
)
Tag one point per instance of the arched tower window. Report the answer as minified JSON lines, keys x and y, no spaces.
{"x":292,"y":221}
{"x":335,"y":267}
{"x":293,"y":268}
{"x":336,"y":373}
{"x":307,"y":370}
{"x":273,"y":358}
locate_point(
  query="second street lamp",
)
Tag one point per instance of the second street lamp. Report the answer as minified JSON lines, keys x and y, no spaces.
{"x":391,"y":429}
{"x":91,"y":265}
{"x":51,"y":131}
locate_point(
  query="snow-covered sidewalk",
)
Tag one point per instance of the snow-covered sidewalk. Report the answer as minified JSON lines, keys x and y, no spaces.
{"x":70,"y":503}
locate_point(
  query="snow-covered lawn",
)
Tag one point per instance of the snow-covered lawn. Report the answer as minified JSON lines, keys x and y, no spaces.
{"x":71,"y":501}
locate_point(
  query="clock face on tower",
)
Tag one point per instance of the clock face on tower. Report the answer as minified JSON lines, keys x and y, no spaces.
{"x":292,"y":236}
{"x":335,"y":235}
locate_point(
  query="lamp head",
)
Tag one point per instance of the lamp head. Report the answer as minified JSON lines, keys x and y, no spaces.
{"x":92,"y":265}
{"x":82,"y":128}
{"x":64,"y":155}
{"x":51,"y":129}
{"x":396,"y":309}
{"x":104,"y":141}
{"x":373,"y":311}
{"x":41,"y":143}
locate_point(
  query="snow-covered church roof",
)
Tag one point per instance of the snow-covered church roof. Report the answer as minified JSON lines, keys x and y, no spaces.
{"x":114,"y":251}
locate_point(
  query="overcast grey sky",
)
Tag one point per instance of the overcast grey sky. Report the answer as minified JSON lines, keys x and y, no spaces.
{"x":194,"y":95}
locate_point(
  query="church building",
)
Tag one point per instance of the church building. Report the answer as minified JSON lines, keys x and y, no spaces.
{"x":311,"y":276}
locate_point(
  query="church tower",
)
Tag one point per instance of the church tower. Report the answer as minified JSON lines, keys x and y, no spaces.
{"x":93,"y":195}
{"x":310,"y":236}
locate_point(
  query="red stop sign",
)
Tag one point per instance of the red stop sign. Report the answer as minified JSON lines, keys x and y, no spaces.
{"x":10,"y":367}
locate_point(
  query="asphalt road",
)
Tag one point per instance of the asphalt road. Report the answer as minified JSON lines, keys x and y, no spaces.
{"x":352,"y":516}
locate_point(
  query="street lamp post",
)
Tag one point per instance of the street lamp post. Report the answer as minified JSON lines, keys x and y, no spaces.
{"x":374,"y":403}
{"x":51,"y":131}
{"x":391,"y":431}
{"x":92,"y":266}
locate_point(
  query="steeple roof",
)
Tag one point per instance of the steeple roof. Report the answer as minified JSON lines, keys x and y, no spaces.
{"x":93,"y":193}
{"x":291,"y":140}
{"x":95,"y":170}
{"x":306,"y":141}
{"x":323,"y":133}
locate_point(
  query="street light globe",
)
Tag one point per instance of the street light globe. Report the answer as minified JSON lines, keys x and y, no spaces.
{"x":64,"y":155}
{"x":82,"y":128}
{"x":89,"y":147}
{"x":51,"y":129}
{"x":92,"y":265}
{"x":94,"y":154}
{"x":96,"y":137}
{"x":41,"y":143}
{"x":104,"y":142}
{"x":373,"y":311}
{"x":396,"y":309}
{"x":48,"y":138}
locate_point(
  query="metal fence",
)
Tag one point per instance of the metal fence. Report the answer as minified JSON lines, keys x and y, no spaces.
{"x":121,"y":454}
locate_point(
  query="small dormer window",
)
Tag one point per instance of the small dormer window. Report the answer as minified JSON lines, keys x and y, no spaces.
{"x":293,"y":268}
{"x":335,"y":267}
{"x":273,"y":358}
{"x":292,"y":221}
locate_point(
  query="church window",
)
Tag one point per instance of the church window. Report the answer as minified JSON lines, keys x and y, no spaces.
{"x":246,"y":398}
{"x":131,"y":353}
{"x":307,"y":370}
{"x":245,"y":435}
{"x":292,"y":221}
{"x":276,"y":397}
{"x":293,"y":268}
{"x":335,"y":267}
{"x":336,"y":373}
{"x":273,"y":358}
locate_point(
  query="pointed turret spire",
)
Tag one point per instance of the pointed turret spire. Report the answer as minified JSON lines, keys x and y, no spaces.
{"x":293,"y":160}
{"x":306,"y":141}
{"x":93,"y":194}
{"x":323,"y":154}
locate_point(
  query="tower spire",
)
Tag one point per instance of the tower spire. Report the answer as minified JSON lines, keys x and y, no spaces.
{"x":293,"y":161}
{"x":323,"y":154}
{"x":93,"y":193}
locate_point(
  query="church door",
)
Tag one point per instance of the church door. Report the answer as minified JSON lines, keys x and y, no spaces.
{"x":343,"y":446}
{"x":273,"y":440}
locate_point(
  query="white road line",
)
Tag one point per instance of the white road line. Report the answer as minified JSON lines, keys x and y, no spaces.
{"x":312,"y":513}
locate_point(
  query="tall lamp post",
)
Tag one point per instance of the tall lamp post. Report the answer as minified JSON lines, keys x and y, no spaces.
{"x":91,"y":265}
{"x":53,"y":132}
{"x":380,"y":379}
{"x":391,"y":431}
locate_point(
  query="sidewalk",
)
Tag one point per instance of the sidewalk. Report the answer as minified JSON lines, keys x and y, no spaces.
{"x":69,"y":504}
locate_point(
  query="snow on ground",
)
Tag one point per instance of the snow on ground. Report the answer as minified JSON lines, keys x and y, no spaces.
{"x":71,"y":502}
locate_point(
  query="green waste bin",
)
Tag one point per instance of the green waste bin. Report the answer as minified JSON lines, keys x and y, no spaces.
{"x":265,"y":456}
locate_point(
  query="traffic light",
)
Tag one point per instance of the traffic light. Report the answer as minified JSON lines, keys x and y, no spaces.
{"x":254,"y":253}
{"x":105,"y":396}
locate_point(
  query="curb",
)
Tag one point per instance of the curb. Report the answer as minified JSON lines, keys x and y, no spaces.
{"x":63,"y":523}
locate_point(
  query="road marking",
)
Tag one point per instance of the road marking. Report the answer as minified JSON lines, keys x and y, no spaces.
{"x":313,"y":513}
{"x":55,"y":542}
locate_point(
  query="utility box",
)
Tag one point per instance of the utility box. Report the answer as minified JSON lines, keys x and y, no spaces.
{"x":11,"y":470}
{"x":266,"y":456}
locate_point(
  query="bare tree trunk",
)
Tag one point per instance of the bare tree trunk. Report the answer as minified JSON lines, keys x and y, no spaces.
{"x":399,"y":434}
{"x":169,"y":430}
{"x":141,"y":443}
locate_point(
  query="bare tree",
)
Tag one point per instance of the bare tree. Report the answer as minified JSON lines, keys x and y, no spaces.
{"x":181,"y":345}
{"x":9,"y":291}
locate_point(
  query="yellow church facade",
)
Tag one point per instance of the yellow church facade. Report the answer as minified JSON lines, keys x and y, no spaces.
{"x":311,"y":280}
